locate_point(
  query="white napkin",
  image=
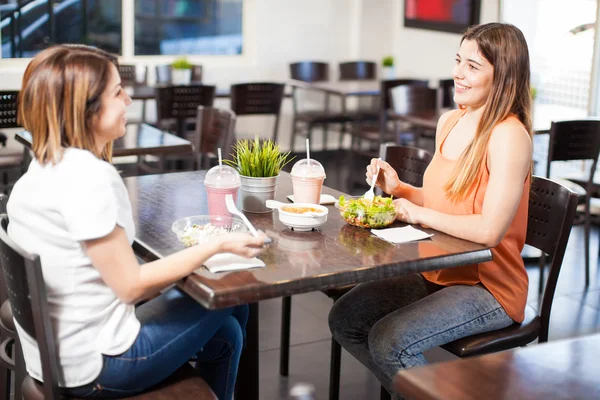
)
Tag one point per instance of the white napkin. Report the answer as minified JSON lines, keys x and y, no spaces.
{"x":325,"y":199}
{"x":231,"y":262}
{"x":401,"y":235}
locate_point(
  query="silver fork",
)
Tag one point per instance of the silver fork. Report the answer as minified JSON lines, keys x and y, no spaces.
{"x":370,"y":194}
{"x":233,"y":210}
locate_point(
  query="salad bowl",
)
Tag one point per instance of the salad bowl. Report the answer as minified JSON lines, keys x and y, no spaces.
{"x":365,"y":213}
{"x":199,"y":229}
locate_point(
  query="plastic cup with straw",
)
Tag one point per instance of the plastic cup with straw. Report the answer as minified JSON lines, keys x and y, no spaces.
{"x":307,"y":179}
{"x":220,"y":181}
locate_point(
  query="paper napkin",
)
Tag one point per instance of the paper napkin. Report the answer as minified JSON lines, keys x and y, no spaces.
{"x":325,"y":199}
{"x":231,"y":262}
{"x":401,"y":235}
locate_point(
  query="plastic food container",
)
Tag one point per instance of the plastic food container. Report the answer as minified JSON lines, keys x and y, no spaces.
{"x":365,"y":214}
{"x":300,"y":216}
{"x":201,"y":229}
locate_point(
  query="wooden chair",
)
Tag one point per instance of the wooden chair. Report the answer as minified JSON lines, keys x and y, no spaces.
{"x":178,"y":105}
{"x":410,"y":163}
{"x":164,"y":74}
{"x":446,"y":93}
{"x":27,"y":291}
{"x":309,"y":71}
{"x":358,"y":71}
{"x":215,"y":129}
{"x":11,"y":157}
{"x":552,"y":208}
{"x":128,"y":74}
{"x":570,"y":141}
{"x":412,"y":99}
{"x":261,"y":98}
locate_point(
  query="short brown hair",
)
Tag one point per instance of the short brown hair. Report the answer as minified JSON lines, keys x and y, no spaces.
{"x":61,"y":92}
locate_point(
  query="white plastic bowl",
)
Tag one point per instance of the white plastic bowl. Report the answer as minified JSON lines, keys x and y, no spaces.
{"x":300,"y":221}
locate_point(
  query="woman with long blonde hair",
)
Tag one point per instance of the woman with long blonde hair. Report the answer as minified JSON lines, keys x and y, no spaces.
{"x":72,"y":209}
{"x":476,"y":188}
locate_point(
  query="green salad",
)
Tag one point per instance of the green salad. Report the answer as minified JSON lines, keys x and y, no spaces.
{"x":378,"y":213}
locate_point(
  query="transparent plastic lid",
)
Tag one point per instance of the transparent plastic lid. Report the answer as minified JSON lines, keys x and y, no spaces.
{"x":222,"y":177}
{"x":308,"y":168}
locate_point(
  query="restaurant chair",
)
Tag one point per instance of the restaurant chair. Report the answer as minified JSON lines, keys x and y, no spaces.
{"x":177,"y":106}
{"x":305,"y":97}
{"x":358,"y":71}
{"x":571,"y":141}
{"x":260,"y":98}
{"x":377,"y":132}
{"x":164,"y":74}
{"x":7,"y":333}
{"x":27,"y":291}
{"x":415,"y":100}
{"x":446,"y":94}
{"x":215,"y":129}
{"x":410,"y":163}
{"x":128,"y":74}
{"x":13,"y":157}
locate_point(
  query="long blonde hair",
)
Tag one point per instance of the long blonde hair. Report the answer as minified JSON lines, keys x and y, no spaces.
{"x":503,"y":46}
{"x":61,"y":93}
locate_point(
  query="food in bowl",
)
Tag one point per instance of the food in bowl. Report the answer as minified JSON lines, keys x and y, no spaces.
{"x":301,"y":210}
{"x":378,"y":213}
{"x":203,"y":228}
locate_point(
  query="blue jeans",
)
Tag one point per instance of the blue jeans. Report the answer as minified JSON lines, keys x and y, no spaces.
{"x":174,"y":329}
{"x":388,"y":324}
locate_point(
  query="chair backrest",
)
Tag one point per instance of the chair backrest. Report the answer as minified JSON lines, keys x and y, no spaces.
{"x":181,"y":102}
{"x":575,"y":140}
{"x":551,"y":211}
{"x":386,"y":85}
{"x":214,"y":129}
{"x":446,"y":89}
{"x":309,"y":71}
{"x":8,"y":108}
{"x":3,"y":294}
{"x":261,"y":98}
{"x":27,"y":293}
{"x":409,"y":162}
{"x":164,"y":74}
{"x":128,"y":74}
{"x":358,"y":71}
{"x":409,"y":99}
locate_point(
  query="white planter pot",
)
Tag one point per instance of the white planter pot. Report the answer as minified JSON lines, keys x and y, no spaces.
{"x":389,"y":73}
{"x":181,"y":76}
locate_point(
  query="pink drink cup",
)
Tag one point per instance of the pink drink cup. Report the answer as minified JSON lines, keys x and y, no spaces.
{"x":216,"y":199}
{"x":307,"y":189}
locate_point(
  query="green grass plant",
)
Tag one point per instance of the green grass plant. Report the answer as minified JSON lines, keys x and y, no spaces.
{"x":388,"y":61}
{"x":181,"y":63}
{"x":258,"y":158}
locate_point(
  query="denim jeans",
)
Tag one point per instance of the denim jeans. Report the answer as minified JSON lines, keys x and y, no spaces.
{"x":174,"y":329}
{"x":388,"y":324}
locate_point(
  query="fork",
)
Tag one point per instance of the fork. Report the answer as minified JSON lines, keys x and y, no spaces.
{"x":233,"y":210}
{"x":370,"y":194}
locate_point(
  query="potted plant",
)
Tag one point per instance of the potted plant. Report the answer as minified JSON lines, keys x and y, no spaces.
{"x":388,"y":67}
{"x":182,"y":72}
{"x":258,"y":163}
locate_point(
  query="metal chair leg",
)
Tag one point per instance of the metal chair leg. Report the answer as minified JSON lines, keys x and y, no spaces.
{"x":586,"y":228}
{"x":335,"y":365}
{"x":284,"y":352}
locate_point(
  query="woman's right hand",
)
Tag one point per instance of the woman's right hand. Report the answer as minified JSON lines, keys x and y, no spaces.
{"x":387,"y":180}
{"x":242,"y":244}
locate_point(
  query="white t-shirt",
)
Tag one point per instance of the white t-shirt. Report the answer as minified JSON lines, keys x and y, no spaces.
{"x":52,"y":209}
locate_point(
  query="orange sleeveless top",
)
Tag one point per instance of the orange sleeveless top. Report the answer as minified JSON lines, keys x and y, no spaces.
{"x":505,"y":276}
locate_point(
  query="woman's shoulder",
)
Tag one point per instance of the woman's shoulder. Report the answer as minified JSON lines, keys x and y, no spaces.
{"x":85,"y":165}
{"x":508,"y":131}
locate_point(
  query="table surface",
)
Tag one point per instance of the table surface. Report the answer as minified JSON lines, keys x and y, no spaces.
{"x":297,"y":262}
{"x":566,"y":369}
{"x":351,"y":88}
{"x":140,"y":139}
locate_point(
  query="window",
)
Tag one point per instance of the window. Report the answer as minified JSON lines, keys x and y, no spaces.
{"x":171,"y":27}
{"x":28,"y":27}
{"x":162,"y":27}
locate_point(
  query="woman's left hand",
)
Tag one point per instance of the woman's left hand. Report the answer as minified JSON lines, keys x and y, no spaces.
{"x":406,"y":211}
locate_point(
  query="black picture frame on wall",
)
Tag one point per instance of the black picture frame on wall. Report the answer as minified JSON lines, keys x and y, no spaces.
{"x":442,"y":15}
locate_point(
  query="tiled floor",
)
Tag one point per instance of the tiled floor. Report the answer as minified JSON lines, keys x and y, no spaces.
{"x":575,"y":312}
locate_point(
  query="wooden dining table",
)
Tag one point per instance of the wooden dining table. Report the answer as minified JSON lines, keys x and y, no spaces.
{"x":140,"y":139}
{"x":336,"y":254}
{"x":565,"y":369}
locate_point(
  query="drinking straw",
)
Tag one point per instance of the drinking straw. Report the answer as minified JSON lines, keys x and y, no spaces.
{"x":220,"y":158}
{"x":308,"y":151}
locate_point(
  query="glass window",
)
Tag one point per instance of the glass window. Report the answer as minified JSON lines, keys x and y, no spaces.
{"x":34,"y":25}
{"x":172,"y":27}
